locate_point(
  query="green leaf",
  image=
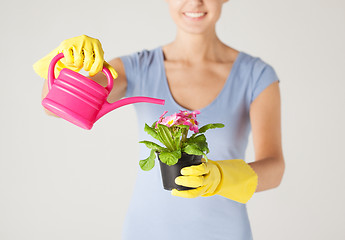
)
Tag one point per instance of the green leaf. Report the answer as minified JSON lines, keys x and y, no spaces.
{"x":154,"y":125}
{"x":166,"y":137}
{"x":193,"y":150}
{"x":183,"y":126}
{"x":210,"y":126}
{"x":200,"y":140}
{"x":177,"y":138}
{"x":151,"y":131}
{"x":170,"y":158}
{"x":148,"y":163}
{"x":153,"y":145}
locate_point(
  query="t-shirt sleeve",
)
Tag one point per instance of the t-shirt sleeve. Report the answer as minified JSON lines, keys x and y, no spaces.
{"x":263,"y":76}
{"x":136,"y":68}
{"x":131,"y":65}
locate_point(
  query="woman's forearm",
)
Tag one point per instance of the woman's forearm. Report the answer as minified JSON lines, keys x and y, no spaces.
{"x":270,"y":172}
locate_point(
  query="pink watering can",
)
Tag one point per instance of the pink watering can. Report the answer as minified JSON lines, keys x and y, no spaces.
{"x":81,"y":100}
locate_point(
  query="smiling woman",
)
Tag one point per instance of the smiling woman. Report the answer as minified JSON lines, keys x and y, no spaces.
{"x":197,"y":72}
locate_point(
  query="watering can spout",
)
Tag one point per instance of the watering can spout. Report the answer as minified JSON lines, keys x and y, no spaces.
{"x":107,"y":107}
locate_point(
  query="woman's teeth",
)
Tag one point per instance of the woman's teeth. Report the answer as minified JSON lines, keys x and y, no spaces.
{"x":194,"y":15}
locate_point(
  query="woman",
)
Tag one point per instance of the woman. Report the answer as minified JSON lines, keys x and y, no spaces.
{"x":195,"y":72}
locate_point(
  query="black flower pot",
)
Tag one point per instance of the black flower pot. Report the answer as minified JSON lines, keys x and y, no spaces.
{"x":169,"y":173}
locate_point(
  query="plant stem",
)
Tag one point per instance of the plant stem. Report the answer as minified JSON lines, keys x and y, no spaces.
{"x":184,"y":136}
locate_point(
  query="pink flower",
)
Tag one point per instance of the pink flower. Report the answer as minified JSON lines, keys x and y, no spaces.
{"x":170,"y":120}
{"x":160,"y":118}
{"x":188,"y":114}
{"x":181,"y":118}
{"x":193,"y":125}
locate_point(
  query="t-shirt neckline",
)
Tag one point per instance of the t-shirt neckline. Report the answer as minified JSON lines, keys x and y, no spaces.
{"x":227,"y":82}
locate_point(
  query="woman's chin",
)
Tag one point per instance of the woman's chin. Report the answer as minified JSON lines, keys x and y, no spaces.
{"x":194,"y":30}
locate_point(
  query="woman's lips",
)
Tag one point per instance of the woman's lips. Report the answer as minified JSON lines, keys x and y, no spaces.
{"x":195,"y":15}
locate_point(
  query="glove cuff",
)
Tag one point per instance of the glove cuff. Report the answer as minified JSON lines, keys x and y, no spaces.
{"x":41,"y":66}
{"x":238,"y":180}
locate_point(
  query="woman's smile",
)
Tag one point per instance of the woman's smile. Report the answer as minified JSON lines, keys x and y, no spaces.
{"x":195,"y":15}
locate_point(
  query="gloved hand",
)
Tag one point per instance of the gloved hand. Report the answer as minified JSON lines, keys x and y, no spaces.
{"x":80,"y":52}
{"x":233,"y":179}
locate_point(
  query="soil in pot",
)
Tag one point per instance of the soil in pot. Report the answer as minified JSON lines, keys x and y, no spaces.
{"x":169,"y":173}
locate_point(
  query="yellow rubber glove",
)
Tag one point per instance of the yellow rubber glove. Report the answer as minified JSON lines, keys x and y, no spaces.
{"x":80,"y":52}
{"x":233,"y":179}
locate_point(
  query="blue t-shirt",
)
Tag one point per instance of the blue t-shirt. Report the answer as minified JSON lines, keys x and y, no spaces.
{"x":154,"y":213}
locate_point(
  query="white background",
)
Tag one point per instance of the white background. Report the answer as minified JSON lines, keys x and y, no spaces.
{"x":58,"y":181}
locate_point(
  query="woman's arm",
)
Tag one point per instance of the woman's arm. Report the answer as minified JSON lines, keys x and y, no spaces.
{"x":266,"y":128}
{"x":120,"y":83}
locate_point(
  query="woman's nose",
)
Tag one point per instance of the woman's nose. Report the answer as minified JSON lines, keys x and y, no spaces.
{"x":195,"y":2}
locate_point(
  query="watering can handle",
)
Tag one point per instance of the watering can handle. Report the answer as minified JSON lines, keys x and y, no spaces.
{"x":51,"y":74}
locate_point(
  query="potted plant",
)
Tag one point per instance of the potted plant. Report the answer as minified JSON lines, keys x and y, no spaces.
{"x":178,"y":150}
